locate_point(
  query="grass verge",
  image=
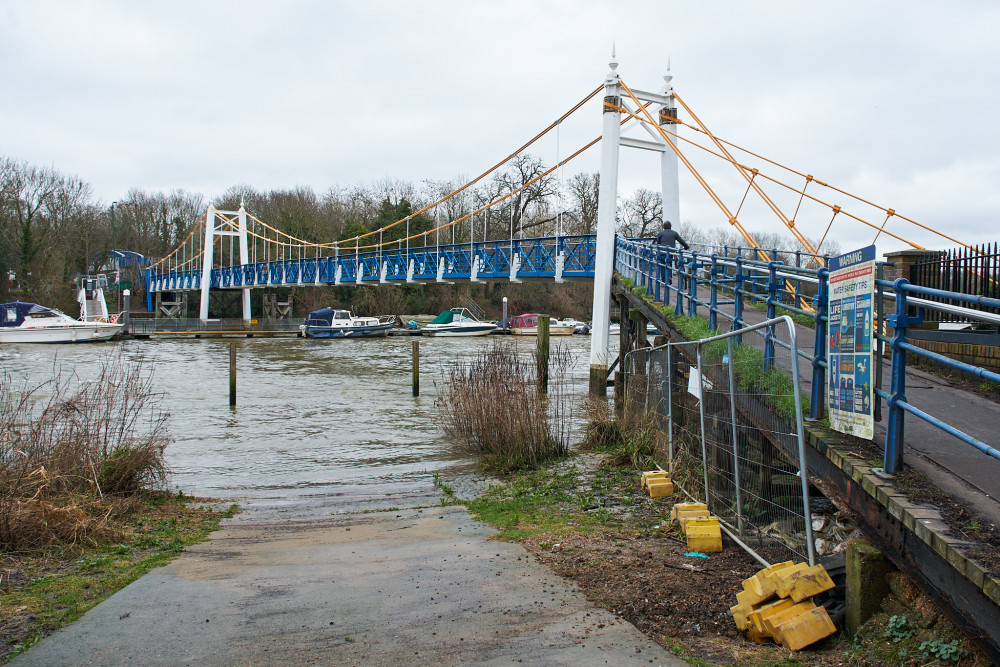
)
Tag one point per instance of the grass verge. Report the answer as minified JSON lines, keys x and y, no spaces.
{"x":43,"y":591}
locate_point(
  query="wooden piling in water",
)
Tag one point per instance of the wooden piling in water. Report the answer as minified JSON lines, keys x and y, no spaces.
{"x":416,"y":368}
{"x":542,"y":354}
{"x":232,"y":374}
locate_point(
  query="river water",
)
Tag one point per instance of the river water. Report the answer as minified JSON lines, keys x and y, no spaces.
{"x":314,"y":419}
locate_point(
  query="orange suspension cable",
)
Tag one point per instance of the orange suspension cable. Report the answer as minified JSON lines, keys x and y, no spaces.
{"x":770,"y":203}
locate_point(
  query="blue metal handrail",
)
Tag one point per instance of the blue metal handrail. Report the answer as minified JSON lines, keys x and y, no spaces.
{"x":726,"y":273}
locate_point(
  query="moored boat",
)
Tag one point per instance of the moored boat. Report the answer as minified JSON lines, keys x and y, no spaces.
{"x":23,"y":322}
{"x":527,"y":325}
{"x":578,"y":326}
{"x":458,"y":322}
{"x":338,"y":323}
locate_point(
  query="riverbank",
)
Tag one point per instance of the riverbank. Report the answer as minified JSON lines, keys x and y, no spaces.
{"x":41,"y":592}
{"x":592,"y":524}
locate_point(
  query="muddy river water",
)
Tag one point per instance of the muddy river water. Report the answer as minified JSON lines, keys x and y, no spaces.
{"x":313,"y":418}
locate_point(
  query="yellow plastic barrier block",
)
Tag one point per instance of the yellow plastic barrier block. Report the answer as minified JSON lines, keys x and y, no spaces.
{"x":683,"y":507}
{"x":660,"y":487}
{"x":760,"y":587}
{"x":773,"y":622}
{"x":746,"y":599}
{"x":741,"y":615}
{"x":651,"y":475}
{"x":757,"y":637}
{"x":706,"y":539}
{"x":777,"y":580}
{"x":806,"y":629}
{"x":758,"y":615}
{"x":684,"y":517}
{"x":804,"y":583}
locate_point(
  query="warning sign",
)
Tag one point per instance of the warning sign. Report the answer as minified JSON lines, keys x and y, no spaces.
{"x":852,"y":294}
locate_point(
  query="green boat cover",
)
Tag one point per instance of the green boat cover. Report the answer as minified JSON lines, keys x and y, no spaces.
{"x":449,"y":316}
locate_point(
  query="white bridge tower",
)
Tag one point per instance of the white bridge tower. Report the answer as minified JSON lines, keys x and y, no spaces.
{"x":223,"y":223}
{"x":611,"y":143}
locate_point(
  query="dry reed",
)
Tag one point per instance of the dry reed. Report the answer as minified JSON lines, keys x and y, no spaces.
{"x":493,"y":409}
{"x":68,"y":447}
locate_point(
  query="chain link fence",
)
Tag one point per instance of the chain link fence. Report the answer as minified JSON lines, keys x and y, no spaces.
{"x":733,"y":430}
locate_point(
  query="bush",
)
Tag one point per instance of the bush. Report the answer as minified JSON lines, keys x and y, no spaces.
{"x":494,"y":410}
{"x":67,"y":446}
{"x":631,"y":441}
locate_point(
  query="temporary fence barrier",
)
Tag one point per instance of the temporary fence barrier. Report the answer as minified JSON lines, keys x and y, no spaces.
{"x":720,"y":408}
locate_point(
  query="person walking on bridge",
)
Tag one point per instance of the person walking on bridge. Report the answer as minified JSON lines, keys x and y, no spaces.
{"x":667,"y":238}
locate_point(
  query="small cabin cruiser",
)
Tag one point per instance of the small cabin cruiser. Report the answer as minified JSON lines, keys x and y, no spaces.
{"x":458,"y":322}
{"x":23,"y":322}
{"x":337,"y":323}
{"x":527,"y":325}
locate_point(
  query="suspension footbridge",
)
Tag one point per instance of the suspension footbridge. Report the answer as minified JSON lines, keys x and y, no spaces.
{"x":235,"y":250}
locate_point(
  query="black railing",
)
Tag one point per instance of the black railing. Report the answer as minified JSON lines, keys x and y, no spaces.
{"x":973,"y":270}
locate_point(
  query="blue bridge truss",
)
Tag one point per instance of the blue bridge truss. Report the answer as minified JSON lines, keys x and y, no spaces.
{"x":557,"y":258}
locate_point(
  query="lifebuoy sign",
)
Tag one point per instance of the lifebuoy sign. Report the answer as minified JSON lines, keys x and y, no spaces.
{"x":850,"y":335}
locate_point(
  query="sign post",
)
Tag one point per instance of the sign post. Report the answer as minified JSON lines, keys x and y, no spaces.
{"x":852,"y":296}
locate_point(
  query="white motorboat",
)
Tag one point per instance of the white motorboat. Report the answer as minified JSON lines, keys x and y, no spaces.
{"x":24,"y":322}
{"x":578,"y":326}
{"x":458,"y":322}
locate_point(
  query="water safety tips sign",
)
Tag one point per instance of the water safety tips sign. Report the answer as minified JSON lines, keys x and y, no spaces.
{"x":852,"y":294}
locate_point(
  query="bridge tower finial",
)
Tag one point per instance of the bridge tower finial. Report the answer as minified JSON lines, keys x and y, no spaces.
{"x":613,"y":64}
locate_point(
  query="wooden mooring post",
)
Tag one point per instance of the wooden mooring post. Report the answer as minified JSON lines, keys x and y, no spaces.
{"x":232,"y":374}
{"x":416,"y":368}
{"x":542,"y":354}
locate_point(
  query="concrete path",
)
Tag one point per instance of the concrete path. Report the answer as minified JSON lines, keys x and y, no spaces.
{"x":412,"y":586}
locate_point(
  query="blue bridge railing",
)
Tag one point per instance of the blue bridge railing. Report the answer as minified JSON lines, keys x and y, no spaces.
{"x":723,"y":281}
{"x":556,"y":257}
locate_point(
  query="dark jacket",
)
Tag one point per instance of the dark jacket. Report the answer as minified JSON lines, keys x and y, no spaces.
{"x":670,"y":238}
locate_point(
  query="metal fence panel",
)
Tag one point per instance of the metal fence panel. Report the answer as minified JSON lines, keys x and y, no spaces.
{"x":727,"y":419}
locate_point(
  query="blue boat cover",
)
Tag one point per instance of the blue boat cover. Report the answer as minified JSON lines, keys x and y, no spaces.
{"x":13,"y":314}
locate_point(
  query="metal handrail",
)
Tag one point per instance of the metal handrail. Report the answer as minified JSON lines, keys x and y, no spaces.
{"x":755,"y":280}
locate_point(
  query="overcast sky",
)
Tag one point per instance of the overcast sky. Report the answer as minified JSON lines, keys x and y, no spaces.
{"x":893,"y":101}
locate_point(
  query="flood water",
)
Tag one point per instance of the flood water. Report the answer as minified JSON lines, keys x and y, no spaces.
{"x":314,"y":419}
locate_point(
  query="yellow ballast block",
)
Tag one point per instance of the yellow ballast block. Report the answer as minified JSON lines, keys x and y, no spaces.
{"x":682,"y":507}
{"x":758,"y":615}
{"x":804,"y":583}
{"x":704,"y":539}
{"x":761,"y":586}
{"x":741,"y":615}
{"x":773,"y":622}
{"x":774,"y":580}
{"x":684,"y":516}
{"x":651,"y":475}
{"x":660,"y":487}
{"x":806,"y":629}
{"x":747,"y":599}
{"x":757,"y":637}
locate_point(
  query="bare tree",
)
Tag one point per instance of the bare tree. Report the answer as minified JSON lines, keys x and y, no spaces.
{"x":643,"y":214}
{"x":584,"y":189}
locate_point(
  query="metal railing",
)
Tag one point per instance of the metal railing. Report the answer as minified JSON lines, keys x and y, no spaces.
{"x":724,"y":281}
{"x":141,"y":326}
{"x":734,"y":415}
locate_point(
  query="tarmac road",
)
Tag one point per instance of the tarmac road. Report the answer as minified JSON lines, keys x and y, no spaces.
{"x":410,"y":586}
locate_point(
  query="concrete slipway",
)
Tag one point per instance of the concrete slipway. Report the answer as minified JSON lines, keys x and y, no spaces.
{"x":296,"y":587}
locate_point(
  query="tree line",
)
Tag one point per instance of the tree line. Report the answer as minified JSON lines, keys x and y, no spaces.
{"x":54,"y":227}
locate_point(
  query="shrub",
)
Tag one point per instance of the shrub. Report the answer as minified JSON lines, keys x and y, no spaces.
{"x":631,"y":441}
{"x":66,"y":445}
{"x":493,"y":409}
